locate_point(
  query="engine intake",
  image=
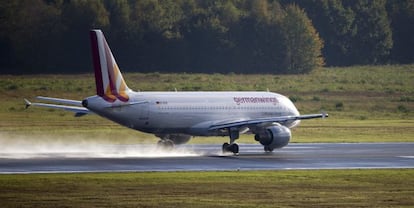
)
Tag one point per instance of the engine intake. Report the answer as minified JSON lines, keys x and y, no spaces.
{"x":274,"y":137}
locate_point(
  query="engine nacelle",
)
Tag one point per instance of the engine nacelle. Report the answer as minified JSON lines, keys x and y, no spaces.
{"x":178,"y":138}
{"x":274,"y":137}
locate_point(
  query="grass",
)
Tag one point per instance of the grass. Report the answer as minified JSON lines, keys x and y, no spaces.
{"x":326,"y":188}
{"x":366,"y":104}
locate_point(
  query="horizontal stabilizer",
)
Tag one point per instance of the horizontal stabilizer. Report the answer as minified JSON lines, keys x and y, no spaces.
{"x":60,"y":100}
{"x":79,"y":111}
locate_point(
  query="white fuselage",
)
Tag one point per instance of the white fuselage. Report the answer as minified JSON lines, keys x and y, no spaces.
{"x":176,"y":116}
{"x":192,"y":112}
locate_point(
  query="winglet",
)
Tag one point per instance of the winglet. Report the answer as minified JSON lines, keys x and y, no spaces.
{"x":28,"y":103}
{"x":324,"y":114}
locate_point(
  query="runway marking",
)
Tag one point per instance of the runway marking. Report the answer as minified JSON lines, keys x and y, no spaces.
{"x":409,"y":157}
{"x":292,"y":147}
{"x":351,"y":168}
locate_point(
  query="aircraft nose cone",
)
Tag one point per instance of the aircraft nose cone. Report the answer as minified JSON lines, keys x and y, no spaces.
{"x":85,"y":103}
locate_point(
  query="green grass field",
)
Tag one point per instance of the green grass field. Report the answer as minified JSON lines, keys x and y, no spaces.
{"x":325,"y":188}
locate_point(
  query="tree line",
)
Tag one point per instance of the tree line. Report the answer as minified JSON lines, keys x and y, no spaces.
{"x":209,"y":36}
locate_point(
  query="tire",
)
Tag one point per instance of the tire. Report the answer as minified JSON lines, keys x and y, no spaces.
{"x":268,"y":149}
{"x":225,"y":147}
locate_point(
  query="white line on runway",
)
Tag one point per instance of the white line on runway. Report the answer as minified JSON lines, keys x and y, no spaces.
{"x":409,"y":157}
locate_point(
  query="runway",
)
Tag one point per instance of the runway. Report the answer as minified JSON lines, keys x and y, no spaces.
{"x":146,"y":158}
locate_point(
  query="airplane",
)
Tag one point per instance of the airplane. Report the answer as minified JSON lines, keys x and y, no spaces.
{"x":175,"y":117}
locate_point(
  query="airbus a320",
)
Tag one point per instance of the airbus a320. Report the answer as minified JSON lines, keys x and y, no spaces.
{"x":175,"y":117}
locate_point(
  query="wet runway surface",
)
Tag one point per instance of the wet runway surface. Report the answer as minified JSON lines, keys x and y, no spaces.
{"x":141,"y":158}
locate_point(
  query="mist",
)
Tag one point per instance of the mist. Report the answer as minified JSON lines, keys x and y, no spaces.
{"x":47,"y":147}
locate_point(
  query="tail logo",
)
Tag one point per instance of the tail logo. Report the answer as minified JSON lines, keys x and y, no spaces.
{"x":110,"y":84}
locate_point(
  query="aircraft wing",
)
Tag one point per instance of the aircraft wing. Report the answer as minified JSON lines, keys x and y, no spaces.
{"x":280,"y":119}
{"x":72,"y":105}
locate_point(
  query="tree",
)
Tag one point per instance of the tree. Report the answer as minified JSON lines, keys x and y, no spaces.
{"x":335,"y":24}
{"x":338,"y":31}
{"x":258,"y":38}
{"x":27,"y":30}
{"x":242,"y":36}
{"x":302,"y":43}
{"x":354,"y":31}
{"x":401,"y":14}
{"x":373,"y":41}
{"x":206,"y":33}
{"x":78,"y":17}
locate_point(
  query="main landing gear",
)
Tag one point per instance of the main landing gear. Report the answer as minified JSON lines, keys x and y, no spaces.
{"x":232,"y":147}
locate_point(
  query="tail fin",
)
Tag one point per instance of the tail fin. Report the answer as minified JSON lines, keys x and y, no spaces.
{"x":110,"y":84}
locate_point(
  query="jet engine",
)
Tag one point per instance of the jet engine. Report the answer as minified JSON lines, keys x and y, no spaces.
{"x":273,"y":137}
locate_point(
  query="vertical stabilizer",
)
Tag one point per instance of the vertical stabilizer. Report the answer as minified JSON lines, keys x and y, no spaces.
{"x":110,"y":84}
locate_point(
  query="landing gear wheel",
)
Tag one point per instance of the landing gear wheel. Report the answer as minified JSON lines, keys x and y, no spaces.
{"x":233,"y":148}
{"x":225,"y":147}
{"x":268,"y":149}
{"x":166,"y":144}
